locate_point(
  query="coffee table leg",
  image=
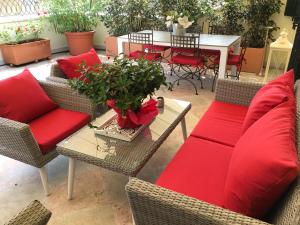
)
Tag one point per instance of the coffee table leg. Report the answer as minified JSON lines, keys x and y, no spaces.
{"x":71,"y":177}
{"x":183,"y":127}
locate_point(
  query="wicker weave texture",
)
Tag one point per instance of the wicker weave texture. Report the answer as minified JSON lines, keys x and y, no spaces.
{"x":33,"y":214}
{"x":155,"y":205}
{"x":57,"y":72}
{"x":236,"y":92}
{"x":68,"y":98}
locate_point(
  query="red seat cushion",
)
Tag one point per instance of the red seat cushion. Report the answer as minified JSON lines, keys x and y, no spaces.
{"x":158,"y":48}
{"x":187,"y":60}
{"x":210,"y":52}
{"x":222,"y":123}
{"x":70,"y":65}
{"x":198,"y":170}
{"x":264,"y":163}
{"x":148,"y":56}
{"x":183,"y":50}
{"x":268,"y":97}
{"x":232,"y":60}
{"x":23,"y":99}
{"x":55,"y":126}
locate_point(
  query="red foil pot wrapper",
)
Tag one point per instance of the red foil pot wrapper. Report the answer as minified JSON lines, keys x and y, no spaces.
{"x":144,"y":116}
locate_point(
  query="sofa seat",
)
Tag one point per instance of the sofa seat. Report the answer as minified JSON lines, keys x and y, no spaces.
{"x":198,"y":170}
{"x":55,"y":126}
{"x":222,"y":123}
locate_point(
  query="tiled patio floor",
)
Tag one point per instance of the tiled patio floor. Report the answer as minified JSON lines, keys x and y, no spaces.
{"x":99,"y":195}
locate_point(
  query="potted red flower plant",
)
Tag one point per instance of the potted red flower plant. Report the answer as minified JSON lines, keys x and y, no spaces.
{"x":124,"y":86}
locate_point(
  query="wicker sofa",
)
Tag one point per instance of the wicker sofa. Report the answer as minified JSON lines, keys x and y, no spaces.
{"x":17,"y":140}
{"x":34,"y":214}
{"x":152,"y":204}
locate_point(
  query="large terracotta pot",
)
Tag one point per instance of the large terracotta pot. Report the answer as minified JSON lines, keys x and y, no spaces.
{"x":79,"y":42}
{"x":27,"y":52}
{"x":253,"y":60}
{"x":111,"y":44}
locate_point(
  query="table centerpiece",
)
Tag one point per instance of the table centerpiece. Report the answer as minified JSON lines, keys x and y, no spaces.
{"x":179,"y":21}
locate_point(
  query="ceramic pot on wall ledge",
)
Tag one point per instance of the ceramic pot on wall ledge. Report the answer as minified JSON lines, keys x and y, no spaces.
{"x":79,"y":42}
{"x":19,"y":54}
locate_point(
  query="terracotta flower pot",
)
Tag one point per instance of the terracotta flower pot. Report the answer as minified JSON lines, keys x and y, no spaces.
{"x":79,"y":42}
{"x":253,"y":60}
{"x":27,"y":52}
{"x":111,"y":45}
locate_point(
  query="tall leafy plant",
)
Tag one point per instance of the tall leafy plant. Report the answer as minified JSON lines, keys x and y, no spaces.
{"x":73,"y":15}
{"x":259,"y":16}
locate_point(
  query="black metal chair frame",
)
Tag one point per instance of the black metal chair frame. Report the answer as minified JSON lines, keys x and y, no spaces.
{"x":187,"y":42}
{"x":141,"y":38}
{"x":238,"y":72}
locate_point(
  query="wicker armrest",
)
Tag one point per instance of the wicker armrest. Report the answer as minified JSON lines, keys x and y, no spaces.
{"x":17,"y":142}
{"x":152,"y":205}
{"x":33,"y":214}
{"x":236,"y":92}
{"x":68,"y":98}
{"x":57,"y":79}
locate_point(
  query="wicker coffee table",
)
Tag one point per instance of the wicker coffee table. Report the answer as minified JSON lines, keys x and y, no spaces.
{"x":123,"y":157}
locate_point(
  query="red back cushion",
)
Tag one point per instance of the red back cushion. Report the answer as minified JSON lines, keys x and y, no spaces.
{"x":263,"y":164}
{"x":70,"y":65}
{"x":22,"y":98}
{"x":268,"y":97}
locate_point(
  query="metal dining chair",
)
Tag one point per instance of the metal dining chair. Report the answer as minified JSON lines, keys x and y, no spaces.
{"x":145,"y":39}
{"x":233,"y":60}
{"x":186,"y":60}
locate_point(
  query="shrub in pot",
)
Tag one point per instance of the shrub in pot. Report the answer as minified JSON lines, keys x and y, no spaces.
{"x":258,"y":16}
{"x":77,"y":20}
{"x":22,"y":44}
{"x":123,"y":85}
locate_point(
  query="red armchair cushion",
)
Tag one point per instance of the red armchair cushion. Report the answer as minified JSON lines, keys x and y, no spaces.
{"x":198,"y":170}
{"x":70,"y":65}
{"x":55,"y":126}
{"x":23,"y":99}
{"x":221,"y":123}
{"x":268,"y":97}
{"x":264,"y":163}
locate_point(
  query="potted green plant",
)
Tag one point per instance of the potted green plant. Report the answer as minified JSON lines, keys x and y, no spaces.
{"x":123,"y":85}
{"x":121,"y":17}
{"x":77,"y":20}
{"x":259,"y":17}
{"x":21,"y":43}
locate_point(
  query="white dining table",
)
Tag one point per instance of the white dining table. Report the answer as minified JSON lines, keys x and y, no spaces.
{"x":207,"y":41}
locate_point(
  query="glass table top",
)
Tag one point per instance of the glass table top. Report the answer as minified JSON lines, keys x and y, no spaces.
{"x":121,"y":156}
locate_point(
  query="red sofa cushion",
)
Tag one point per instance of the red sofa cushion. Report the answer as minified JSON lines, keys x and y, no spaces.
{"x":55,"y":126}
{"x":23,"y":99}
{"x":222,"y":123}
{"x":198,"y":170}
{"x":268,"y":97}
{"x":70,"y":65}
{"x":264,"y":163}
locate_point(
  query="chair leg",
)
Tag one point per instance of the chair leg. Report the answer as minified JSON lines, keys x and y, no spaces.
{"x":44,"y":178}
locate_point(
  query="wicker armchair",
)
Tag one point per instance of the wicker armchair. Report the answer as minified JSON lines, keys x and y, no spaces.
{"x":17,"y":141}
{"x":34,"y":214}
{"x":153,"y":205}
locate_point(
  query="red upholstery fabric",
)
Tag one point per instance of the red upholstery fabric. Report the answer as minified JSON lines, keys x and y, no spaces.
{"x":158,"y":48}
{"x":264,"y":163}
{"x":222,"y":123}
{"x":198,"y":170}
{"x":232,"y":60}
{"x":148,"y":56}
{"x":70,"y":65}
{"x":23,"y":99}
{"x":55,"y":126}
{"x":268,"y":97}
{"x":183,"y":50}
{"x":210,"y":52}
{"x":187,"y":60}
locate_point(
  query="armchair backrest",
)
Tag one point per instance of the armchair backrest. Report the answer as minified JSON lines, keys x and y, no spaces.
{"x":287,"y":210}
{"x":57,"y":72}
